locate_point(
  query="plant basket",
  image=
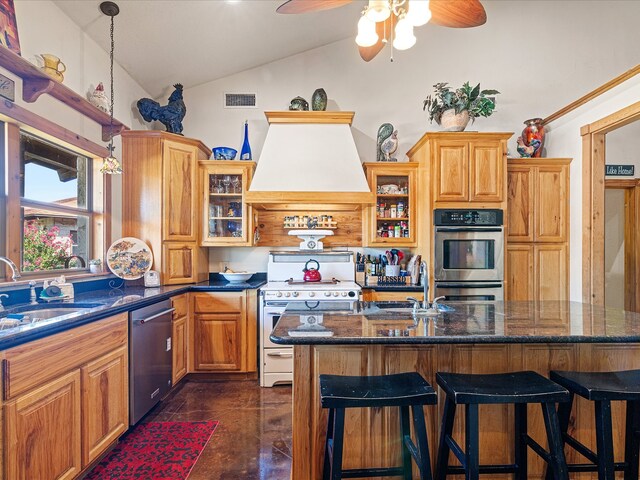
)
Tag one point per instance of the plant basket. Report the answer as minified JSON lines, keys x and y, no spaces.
{"x":454,"y":122}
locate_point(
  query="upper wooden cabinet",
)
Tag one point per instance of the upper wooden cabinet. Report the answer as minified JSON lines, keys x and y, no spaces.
{"x":465,"y":166}
{"x":227,"y":219}
{"x":538,"y":200}
{"x":160,"y":198}
{"x":392,"y":220}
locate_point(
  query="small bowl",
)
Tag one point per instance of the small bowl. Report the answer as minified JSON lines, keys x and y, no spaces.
{"x":237,"y":277}
{"x":224,"y":153}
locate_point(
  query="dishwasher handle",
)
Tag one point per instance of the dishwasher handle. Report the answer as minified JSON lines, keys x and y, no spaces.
{"x":152,"y":317}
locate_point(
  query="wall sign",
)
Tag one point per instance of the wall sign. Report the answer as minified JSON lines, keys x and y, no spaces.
{"x":7,"y":88}
{"x":620,"y":170}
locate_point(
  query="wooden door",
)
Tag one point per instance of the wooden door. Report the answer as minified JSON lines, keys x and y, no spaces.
{"x":105,"y":403}
{"x":520,"y":276}
{"x":520,"y":203}
{"x":551,"y":203}
{"x":43,"y":431}
{"x":451,"y":178}
{"x":551,"y":272}
{"x":179,"y":349}
{"x":486,"y":168}
{"x":179,"y":260}
{"x":179,"y":170}
{"x":218,"y":342}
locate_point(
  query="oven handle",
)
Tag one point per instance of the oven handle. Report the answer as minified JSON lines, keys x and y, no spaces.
{"x":280,"y":354}
{"x":470,"y":229}
{"x":468,"y":285}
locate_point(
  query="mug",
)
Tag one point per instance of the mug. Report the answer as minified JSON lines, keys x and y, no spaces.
{"x":392,"y":270}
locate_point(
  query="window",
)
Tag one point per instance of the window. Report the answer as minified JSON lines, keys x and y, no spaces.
{"x":56,"y":206}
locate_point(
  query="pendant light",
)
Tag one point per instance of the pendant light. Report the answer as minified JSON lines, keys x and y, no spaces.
{"x":111,"y":165}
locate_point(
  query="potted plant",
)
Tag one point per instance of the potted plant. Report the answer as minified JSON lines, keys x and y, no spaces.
{"x":452,"y":109}
{"x":95,"y":265}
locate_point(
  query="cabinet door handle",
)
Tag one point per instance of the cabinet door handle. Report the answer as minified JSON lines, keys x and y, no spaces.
{"x":280,"y":354}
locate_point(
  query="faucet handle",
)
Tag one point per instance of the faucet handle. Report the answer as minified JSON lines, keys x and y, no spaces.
{"x":2,"y":295}
{"x":434,"y":304}
{"x":32,"y":283}
{"x":416,"y":302}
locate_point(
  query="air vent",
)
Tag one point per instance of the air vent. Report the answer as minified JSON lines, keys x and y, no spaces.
{"x":239,"y":100}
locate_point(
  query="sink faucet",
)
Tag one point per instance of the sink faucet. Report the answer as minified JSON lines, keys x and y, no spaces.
{"x":15,"y":273}
{"x":424,"y":273}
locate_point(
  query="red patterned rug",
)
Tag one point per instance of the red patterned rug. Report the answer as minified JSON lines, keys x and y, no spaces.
{"x":155,"y":451}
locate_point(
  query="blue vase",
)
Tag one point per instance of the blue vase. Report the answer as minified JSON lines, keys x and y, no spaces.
{"x":245,"y":153}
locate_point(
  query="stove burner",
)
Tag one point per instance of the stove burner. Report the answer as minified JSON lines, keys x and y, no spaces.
{"x":333,"y":281}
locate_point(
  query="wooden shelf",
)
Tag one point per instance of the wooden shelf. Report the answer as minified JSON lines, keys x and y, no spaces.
{"x":393,"y":219}
{"x":225,"y":194}
{"x":35,"y":83}
{"x":238,"y":219}
{"x":332,"y":226}
{"x":392,"y":195}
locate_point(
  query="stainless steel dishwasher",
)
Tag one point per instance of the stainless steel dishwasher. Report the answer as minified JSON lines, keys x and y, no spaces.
{"x":149,"y":357}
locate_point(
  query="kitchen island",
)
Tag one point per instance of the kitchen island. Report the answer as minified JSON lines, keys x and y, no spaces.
{"x":383,"y":338}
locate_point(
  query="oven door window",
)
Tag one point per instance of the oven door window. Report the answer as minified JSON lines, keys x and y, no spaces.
{"x":274,"y":320}
{"x":469,"y":254}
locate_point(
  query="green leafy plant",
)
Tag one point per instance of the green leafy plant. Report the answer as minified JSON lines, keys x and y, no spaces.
{"x":44,"y":249}
{"x":95,"y":261}
{"x":467,"y":98}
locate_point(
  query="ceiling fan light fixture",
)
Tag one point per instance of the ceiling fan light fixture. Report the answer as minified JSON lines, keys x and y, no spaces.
{"x":367,"y":35}
{"x":378,"y":10}
{"x":419,"y":12}
{"x":404,"y":37}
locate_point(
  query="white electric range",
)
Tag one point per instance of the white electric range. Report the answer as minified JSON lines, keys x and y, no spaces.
{"x":285,"y":287}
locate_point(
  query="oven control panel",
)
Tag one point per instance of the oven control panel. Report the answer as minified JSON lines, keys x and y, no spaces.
{"x":289,"y":295}
{"x":459,"y":217}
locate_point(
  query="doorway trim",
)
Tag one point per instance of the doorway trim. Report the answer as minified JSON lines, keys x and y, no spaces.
{"x":593,"y":168}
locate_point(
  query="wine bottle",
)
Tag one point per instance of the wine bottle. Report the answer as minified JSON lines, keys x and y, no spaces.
{"x":245,"y":153}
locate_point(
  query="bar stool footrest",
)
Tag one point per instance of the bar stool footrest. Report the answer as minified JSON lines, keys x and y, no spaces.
{"x":581,"y":448}
{"x":372,"y":472}
{"x":497,"y":469}
{"x":591,"y":467}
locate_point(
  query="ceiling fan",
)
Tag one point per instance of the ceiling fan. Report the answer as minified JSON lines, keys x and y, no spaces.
{"x":384,"y":20}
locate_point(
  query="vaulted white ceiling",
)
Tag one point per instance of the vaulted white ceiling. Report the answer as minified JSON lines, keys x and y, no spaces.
{"x":207,"y":39}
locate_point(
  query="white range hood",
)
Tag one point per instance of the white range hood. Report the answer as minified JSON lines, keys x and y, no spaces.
{"x":309,"y":157}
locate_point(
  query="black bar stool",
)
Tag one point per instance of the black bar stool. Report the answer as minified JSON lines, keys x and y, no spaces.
{"x":601,"y":388}
{"x":519,"y":388}
{"x":402,"y":390}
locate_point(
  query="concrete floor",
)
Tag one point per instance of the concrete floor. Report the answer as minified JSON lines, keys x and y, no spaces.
{"x":253,"y":439}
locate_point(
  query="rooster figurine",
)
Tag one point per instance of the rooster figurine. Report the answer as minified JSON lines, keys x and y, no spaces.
{"x":527,"y":151}
{"x":98,"y":98}
{"x":387,"y":143}
{"x":170,"y":115}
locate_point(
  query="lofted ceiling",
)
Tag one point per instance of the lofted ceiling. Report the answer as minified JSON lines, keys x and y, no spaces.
{"x":206,"y":39}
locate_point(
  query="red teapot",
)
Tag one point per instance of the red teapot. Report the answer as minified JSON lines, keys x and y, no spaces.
{"x":312,"y":274}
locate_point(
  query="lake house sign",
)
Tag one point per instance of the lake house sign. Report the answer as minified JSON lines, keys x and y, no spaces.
{"x":620,"y":170}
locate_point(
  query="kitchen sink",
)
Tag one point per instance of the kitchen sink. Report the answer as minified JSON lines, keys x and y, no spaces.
{"x":36,"y":313}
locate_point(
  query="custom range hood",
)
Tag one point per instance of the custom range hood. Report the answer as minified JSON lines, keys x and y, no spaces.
{"x":309,"y":158}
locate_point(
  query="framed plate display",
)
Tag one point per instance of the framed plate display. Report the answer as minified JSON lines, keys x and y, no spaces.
{"x":129,"y":258}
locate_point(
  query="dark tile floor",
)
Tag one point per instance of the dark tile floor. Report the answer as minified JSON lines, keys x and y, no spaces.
{"x":253,"y":439}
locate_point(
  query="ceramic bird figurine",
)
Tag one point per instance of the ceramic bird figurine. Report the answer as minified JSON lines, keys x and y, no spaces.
{"x":387,"y":143}
{"x":99,"y":99}
{"x":385,"y":134}
{"x":170,"y":115}
{"x":527,"y":151}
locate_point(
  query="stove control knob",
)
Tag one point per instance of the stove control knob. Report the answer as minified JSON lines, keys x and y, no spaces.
{"x":344,"y":294}
{"x":312,"y":294}
{"x":295,"y":294}
{"x":278,"y":294}
{"x":335,"y":294}
{"x":327,"y":294}
{"x":287,"y":294}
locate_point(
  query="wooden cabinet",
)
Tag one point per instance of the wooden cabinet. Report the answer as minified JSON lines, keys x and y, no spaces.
{"x":370,"y":295}
{"x":227,"y":218}
{"x":179,"y":340}
{"x":161,"y":201}
{"x":467,"y":167}
{"x":66,"y":400}
{"x":392,"y":221}
{"x":224,"y":331}
{"x":537,"y":225}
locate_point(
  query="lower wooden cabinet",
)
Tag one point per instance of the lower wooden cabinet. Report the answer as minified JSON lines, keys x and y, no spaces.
{"x":43,"y":435}
{"x":537,"y":272}
{"x":66,"y":400}
{"x":370,"y":295}
{"x":224,"y":331}
{"x":179,"y":342}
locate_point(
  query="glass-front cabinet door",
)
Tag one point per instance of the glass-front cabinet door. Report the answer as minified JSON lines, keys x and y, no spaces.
{"x":226,"y":215}
{"x":392,"y":221}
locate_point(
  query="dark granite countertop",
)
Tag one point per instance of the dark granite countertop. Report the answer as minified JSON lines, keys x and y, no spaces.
{"x":105,"y":302}
{"x":491,"y":322}
{"x":393,"y":288}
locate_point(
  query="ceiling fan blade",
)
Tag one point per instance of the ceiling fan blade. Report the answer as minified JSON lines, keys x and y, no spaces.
{"x":306,"y":6}
{"x":457,"y":13}
{"x":383,"y":29}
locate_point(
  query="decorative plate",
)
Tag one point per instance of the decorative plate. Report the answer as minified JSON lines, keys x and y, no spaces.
{"x":129,"y":258}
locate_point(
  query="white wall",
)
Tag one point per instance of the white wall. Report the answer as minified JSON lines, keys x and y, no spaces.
{"x":622,"y":147}
{"x":541,"y":57}
{"x":44,"y":28}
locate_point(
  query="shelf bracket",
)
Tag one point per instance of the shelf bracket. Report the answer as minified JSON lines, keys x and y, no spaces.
{"x":32,"y":88}
{"x":115,"y":129}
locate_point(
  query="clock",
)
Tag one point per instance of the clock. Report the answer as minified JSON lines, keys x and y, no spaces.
{"x":7,"y":88}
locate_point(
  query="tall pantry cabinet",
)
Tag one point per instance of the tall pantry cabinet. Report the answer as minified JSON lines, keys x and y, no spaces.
{"x":160,"y":202}
{"x":537,"y":223}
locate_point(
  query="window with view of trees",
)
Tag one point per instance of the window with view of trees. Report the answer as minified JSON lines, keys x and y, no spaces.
{"x":56,"y":206}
